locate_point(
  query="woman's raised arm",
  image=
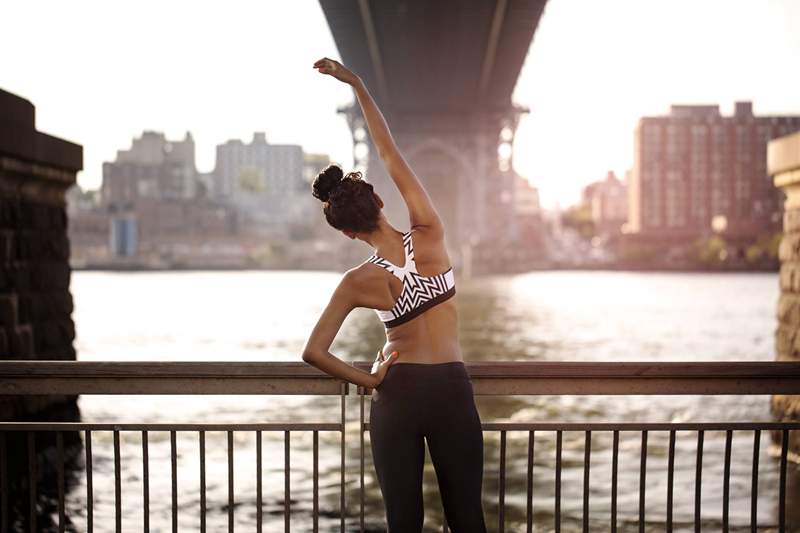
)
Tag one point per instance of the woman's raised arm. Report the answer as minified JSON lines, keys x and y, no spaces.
{"x":421,"y":211}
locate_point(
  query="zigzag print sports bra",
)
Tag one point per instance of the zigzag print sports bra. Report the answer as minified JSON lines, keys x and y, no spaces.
{"x":420,"y":293}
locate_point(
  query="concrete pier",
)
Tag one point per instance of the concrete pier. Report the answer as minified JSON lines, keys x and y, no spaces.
{"x":783,"y":163}
{"x":36,"y":170}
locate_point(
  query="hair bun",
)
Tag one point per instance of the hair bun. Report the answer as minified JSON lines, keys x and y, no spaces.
{"x":326,"y":181}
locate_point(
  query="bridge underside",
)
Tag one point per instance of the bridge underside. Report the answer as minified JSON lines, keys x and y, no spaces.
{"x":443,"y":73}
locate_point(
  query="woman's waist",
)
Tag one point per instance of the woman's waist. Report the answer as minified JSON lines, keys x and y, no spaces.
{"x":405,"y":357}
{"x":414,"y":350}
{"x":422,"y":385}
{"x":414,"y":375}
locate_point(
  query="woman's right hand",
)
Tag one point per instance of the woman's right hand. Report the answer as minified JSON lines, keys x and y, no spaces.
{"x":335,"y":69}
{"x":381,"y":366}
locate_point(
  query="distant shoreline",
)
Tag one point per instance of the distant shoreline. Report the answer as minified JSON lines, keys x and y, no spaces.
{"x":587,"y":268}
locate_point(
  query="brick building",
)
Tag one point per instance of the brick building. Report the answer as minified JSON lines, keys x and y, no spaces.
{"x":265,"y":185}
{"x":696,"y":166}
{"x":153,"y":167}
{"x":154,"y":200}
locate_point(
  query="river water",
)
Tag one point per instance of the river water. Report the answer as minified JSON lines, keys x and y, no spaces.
{"x":538,"y":316}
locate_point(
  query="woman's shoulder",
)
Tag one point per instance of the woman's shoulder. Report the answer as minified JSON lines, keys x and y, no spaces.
{"x":429,"y":245}
{"x":363,"y":276}
{"x":365,"y":284}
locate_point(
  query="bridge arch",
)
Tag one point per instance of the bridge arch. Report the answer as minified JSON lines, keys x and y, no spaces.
{"x":444,"y":172}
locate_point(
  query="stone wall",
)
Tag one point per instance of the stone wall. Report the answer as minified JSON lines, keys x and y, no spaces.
{"x":783,"y":157}
{"x":35,"y":302}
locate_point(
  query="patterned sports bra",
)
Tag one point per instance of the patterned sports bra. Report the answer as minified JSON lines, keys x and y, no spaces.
{"x":420,"y":293}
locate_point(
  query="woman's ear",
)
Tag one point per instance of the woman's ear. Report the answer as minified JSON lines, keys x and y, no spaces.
{"x":378,"y":199}
{"x":349,"y":234}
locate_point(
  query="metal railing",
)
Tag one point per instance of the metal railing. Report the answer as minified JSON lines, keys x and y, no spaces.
{"x":489,"y":379}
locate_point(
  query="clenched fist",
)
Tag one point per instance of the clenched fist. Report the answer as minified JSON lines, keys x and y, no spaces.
{"x":335,"y":69}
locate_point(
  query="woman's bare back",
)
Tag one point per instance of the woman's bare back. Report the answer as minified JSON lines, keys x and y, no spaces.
{"x":431,"y":337}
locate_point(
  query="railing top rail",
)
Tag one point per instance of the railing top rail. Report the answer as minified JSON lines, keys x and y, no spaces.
{"x":628,"y":369}
{"x":489,"y":378}
{"x":333,"y":427}
{"x":161,"y":369}
{"x":479,"y":370}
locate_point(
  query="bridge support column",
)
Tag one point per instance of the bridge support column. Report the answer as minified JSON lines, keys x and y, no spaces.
{"x":783,"y":155}
{"x":35,"y":301}
{"x":464,"y":160}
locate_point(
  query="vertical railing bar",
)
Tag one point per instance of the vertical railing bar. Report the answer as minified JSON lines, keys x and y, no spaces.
{"x":529,"y":498}
{"x":343,"y":420}
{"x":3,"y":484}
{"x":230,"y":481}
{"x":754,"y":486}
{"x":670,"y":478}
{"x":782,"y":490}
{"x":117,"y":483}
{"x":642,"y":481}
{"x":614,"y":467}
{"x":557,"y":514}
{"x":202,"y":437}
{"x":726,"y":481}
{"x":316,"y":481}
{"x":60,"y":466}
{"x":361,"y":393}
{"x":32,"y":480}
{"x":286,"y":484}
{"x":501,"y":497}
{"x":698,"y":482}
{"x":146,"y":481}
{"x":259,"y":497}
{"x":587,"y":456}
{"x":87,"y":437}
{"x":174,"y":463}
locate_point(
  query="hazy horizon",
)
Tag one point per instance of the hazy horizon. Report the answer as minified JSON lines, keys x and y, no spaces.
{"x":593,"y":69}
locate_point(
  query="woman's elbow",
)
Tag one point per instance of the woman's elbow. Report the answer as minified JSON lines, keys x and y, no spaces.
{"x":310,"y":356}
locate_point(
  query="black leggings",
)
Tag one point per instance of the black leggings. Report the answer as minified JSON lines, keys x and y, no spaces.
{"x":434,"y":402}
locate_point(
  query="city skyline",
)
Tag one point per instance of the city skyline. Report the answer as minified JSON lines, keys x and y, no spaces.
{"x":177,"y":79}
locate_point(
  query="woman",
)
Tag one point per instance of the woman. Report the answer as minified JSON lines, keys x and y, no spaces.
{"x":426,"y":394}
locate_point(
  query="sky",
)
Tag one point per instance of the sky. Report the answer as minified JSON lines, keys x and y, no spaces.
{"x":99,"y":73}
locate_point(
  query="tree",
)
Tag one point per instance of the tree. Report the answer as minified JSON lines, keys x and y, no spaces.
{"x":250,"y":180}
{"x":579,"y":218}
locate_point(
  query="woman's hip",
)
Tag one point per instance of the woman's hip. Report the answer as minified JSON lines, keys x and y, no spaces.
{"x":422,"y":381}
{"x":421,"y":395}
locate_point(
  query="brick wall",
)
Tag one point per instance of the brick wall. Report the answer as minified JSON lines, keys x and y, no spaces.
{"x":35,"y":302}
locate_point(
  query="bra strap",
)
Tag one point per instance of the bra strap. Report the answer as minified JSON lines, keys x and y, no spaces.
{"x":408,"y":247}
{"x":410,"y":265}
{"x":380,"y":261}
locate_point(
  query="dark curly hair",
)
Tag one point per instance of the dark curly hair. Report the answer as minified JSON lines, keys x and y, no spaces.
{"x":349,"y":202}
